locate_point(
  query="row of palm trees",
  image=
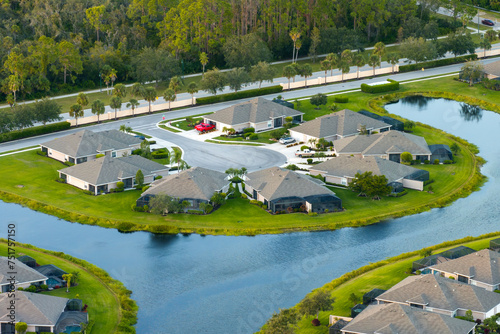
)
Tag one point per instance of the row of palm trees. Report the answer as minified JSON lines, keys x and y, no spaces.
{"x":137,"y":90}
{"x":342,"y":62}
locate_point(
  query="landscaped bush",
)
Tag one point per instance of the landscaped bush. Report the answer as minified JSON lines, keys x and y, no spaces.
{"x":31,"y":288}
{"x":69,"y":163}
{"x":248,"y":130}
{"x":158,"y":177}
{"x":312,"y":214}
{"x":277,"y":134}
{"x":42,"y":153}
{"x":341,"y":99}
{"x":426,"y":162}
{"x":88,"y":192}
{"x":309,"y":161}
{"x":137,"y":151}
{"x":137,"y":208}
{"x":239,"y":95}
{"x":60,"y":180}
{"x":34,"y":131}
{"x":152,"y":142}
{"x":208,"y":208}
{"x":159,"y":154}
{"x":100,"y":155}
{"x":292,"y":167}
{"x":244,"y":196}
{"x":254,"y":201}
{"x":436,"y":63}
{"x":316,"y":322}
{"x":393,"y":85}
{"x":44,"y":287}
{"x":145,"y":188}
{"x":448,"y":162}
{"x":254,"y":136}
{"x":125,"y":227}
{"x":120,"y":184}
{"x":304,"y":147}
{"x":436,"y":162}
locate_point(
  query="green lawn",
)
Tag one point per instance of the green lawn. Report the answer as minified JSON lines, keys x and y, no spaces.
{"x":235,"y":143}
{"x":183,"y":124}
{"x":103,"y":304}
{"x":386,"y":274}
{"x":264,"y":137}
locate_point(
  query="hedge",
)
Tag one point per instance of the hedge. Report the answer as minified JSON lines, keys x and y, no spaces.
{"x":341,"y":99}
{"x":436,"y":63}
{"x":392,"y":85}
{"x":34,"y":131}
{"x":239,"y":95}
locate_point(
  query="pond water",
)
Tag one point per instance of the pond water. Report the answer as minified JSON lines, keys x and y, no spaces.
{"x":218,"y":284}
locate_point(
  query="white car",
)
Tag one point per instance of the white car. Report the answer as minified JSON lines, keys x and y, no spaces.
{"x":287,"y":140}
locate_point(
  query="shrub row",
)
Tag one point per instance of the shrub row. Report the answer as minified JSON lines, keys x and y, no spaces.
{"x":436,"y":63}
{"x":239,"y":95}
{"x":341,"y":99}
{"x":392,"y":85}
{"x":34,"y":131}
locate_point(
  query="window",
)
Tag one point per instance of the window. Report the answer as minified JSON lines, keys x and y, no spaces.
{"x":113,"y":154}
{"x":269,"y":124}
{"x":344,"y":181}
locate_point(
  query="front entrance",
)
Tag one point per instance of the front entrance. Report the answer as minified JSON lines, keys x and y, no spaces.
{"x":278,"y":122}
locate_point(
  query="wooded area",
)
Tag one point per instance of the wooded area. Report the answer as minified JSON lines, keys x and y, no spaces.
{"x":59,"y":46}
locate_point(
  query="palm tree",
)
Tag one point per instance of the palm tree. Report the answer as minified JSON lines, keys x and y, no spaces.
{"x":393,"y":59}
{"x":333,"y":59}
{"x":176,"y":157}
{"x":107,"y":80}
{"x":82,"y":100}
{"x":344,"y":67}
{"x":312,"y":142}
{"x":373,"y":61}
{"x":149,"y":94}
{"x":360,"y":61}
{"x":169,"y":95}
{"x":325,"y":66}
{"x":192,"y":89}
{"x":137,"y":89}
{"x":485,"y":45}
{"x":120,"y":90}
{"x":294,"y":35}
{"x":298,"y":45}
{"x":175,"y":84}
{"x":490,"y":35}
{"x":289,"y":72}
{"x":306,"y":71}
{"x":98,"y":108}
{"x":116,"y":103}
{"x":112,"y":76}
{"x":76,"y":111}
{"x":203,"y":61}
{"x":67,"y":278}
{"x":133,"y":103}
{"x":379,"y":50}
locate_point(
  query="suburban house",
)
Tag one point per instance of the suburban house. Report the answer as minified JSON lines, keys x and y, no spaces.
{"x":343,"y":123}
{"x":102,"y":174}
{"x":195,"y":185}
{"x":24,"y":277}
{"x":258,"y":113}
{"x":492,"y":70}
{"x":342,"y":170}
{"x":27,"y":260}
{"x":281,"y":189}
{"x":54,"y":275}
{"x":398,"y":318}
{"x":386,"y":145}
{"x":440,"y":152}
{"x":84,"y":145}
{"x":42,"y":313}
{"x":442,"y":295}
{"x":423,"y":264}
{"x":481,"y":269}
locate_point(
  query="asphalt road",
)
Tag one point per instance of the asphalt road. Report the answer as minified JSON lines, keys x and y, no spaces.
{"x":218,"y":156}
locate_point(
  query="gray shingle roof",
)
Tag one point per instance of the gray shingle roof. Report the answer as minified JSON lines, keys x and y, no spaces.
{"x":255,"y":111}
{"x":484,"y":266}
{"x":34,"y":308}
{"x":23,"y":272}
{"x":396,"y":318}
{"x":492,"y":68}
{"x":344,"y":123}
{"x":346,"y":165}
{"x":383,"y":143}
{"x":86,"y":142}
{"x":275,"y":182}
{"x":51,"y":270}
{"x":442,"y":293}
{"x":107,"y":169}
{"x":194,"y":183}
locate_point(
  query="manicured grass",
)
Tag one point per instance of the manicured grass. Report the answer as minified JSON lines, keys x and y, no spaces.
{"x":183,"y":125}
{"x":235,"y":143}
{"x":20,"y":149}
{"x":37,"y":174}
{"x":164,"y":127}
{"x":103,"y":304}
{"x":383,"y":275}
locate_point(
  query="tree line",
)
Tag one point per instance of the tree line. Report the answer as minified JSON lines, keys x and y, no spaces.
{"x":55,"y":46}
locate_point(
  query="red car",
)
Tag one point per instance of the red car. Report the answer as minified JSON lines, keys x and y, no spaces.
{"x":202,"y":127}
{"x":487,"y":22}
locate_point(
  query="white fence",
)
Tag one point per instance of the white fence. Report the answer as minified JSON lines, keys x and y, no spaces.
{"x":138,"y":111}
{"x":338,"y":78}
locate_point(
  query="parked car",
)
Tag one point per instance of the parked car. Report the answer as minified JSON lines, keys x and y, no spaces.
{"x":286,"y":140}
{"x":140,"y":137}
{"x":202,"y":127}
{"x":488,"y":22}
{"x":304,"y":153}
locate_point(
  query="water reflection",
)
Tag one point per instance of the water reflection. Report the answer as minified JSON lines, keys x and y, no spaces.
{"x":416,"y":100}
{"x":470,"y":113}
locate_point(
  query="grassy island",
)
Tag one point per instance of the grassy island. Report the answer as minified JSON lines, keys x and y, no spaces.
{"x":29,"y":179}
{"x":109,"y":305}
{"x":382,"y":275}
